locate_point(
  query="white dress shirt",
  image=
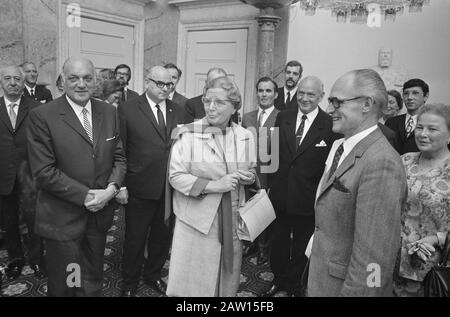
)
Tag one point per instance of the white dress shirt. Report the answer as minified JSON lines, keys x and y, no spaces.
{"x":16,"y":109}
{"x":266,"y":115}
{"x":349,"y":144}
{"x":79,"y":111}
{"x":308,"y":122}
{"x":292,"y":92}
{"x":162,"y":106}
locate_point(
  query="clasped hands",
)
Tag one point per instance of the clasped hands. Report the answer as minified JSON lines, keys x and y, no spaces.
{"x":230,"y":181}
{"x":96,"y":199}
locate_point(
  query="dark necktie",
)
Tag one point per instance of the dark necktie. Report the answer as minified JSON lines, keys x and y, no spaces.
{"x":299,"y":133}
{"x":288,"y":100}
{"x":161,"y":123}
{"x":337,"y":157}
{"x":32,"y":93}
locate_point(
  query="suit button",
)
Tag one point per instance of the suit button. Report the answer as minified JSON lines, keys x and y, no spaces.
{"x":93,"y":156}
{"x":317,"y":228}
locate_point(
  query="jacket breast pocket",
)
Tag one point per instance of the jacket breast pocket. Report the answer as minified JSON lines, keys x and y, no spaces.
{"x":337,"y":270}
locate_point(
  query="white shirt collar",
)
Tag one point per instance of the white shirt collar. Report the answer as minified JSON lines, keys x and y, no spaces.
{"x":310,"y":116}
{"x":8,"y":102}
{"x":292,"y":92}
{"x":414,"y":117}
{"x":78,"y":109}
{"x":171,"y":95}
{"x":162,"y":104}
{"x":352,"y":141}
{"x":29,"y":89}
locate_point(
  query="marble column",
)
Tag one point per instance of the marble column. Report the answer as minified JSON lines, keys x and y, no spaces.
{"x":267,"y":21}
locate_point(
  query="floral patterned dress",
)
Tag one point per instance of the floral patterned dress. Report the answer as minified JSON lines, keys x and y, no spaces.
{"x":427,"y":212}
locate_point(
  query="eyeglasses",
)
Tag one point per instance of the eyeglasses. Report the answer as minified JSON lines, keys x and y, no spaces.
{"x":123,"y":74}
{"x":218,"y":102}
{"x":337,"y":103}
{"x":161,"y":84}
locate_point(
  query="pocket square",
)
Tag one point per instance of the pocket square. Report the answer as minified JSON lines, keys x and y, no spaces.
{"x":110,"y":139}
{"x":321,"y":144}
{"x":340,"y":187}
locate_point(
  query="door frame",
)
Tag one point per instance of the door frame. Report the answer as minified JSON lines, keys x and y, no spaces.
{"x":251,"y":58}
{"x":138,"y":28}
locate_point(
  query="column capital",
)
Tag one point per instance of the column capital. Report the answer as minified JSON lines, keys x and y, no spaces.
{"x":268,"y":20}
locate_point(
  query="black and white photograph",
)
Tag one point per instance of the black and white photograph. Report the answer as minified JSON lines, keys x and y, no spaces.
{"x":247,"y":150}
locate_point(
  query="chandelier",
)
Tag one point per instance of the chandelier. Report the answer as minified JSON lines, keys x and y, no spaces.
{"x":358,"y":11}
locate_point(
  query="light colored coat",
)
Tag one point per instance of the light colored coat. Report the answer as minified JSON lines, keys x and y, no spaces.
{"x":196,"y":250}
{"x":358,"y":222}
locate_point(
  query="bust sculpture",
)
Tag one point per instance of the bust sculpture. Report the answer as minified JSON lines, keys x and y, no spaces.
{"x":393,"y":78}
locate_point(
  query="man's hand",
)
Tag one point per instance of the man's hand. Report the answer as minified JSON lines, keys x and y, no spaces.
{"x":101,"y":198}
{"x":122,"y":196}
{"x":246,"y":177}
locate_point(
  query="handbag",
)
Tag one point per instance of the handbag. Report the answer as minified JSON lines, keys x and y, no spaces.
{"x":437,"y":280}
{"x":256,"y":215}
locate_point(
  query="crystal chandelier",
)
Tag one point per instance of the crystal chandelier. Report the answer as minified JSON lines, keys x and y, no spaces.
{"x":357,"y":11}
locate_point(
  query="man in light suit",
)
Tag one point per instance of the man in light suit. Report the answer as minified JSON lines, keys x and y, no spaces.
{"x":32,"y":90}
{"x":123,"y":75}
{"x":415,"y":95}
{"x":262,"y":120}
{"x":146,"y":124}
{"x":195,"y":109}
{"x":14,"y":110}
{"x":304,"y":142}
{"x":360,"y":196}
{"x":77,"y":158}
{"x":287,"y":95}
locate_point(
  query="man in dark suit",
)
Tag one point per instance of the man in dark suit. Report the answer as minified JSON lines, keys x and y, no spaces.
{"x":14,"y":109}
{"x":262,"y":121}
{"x":287,"y":95}
{"x":195,"y":109}
{"x":415,"y":95}
{"x":177,"y":98}
{"x":146,"y":124}
{"x":305,"y":140}
{"x":32,"y":90}
{"x":77,"y":158}
{"x":123,"y":75}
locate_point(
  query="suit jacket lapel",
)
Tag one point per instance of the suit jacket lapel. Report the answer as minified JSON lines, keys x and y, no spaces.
{"x":4,"y":116}
{"x":351,"y":158}
{"x":289,"y":129}
{"x":23,"y":111}
{"x":270,"y":122}
{"x":312,"y":134}
{"x":145,"y":108}
{"x":170,"y":118}
{"x":97,"y":121}
{"x":69,"y":116}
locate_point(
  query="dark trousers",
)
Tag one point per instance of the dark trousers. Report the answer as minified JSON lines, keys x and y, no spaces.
{"x":9,"y":204}
{"x":34,"y":243}
{"x":142,"y":215}
{"x":289,"y":239}
{"x":86,"y":252}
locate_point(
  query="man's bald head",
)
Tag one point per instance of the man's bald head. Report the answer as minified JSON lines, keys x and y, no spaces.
{"x":309,"y":94}
{"x":79,"y":79}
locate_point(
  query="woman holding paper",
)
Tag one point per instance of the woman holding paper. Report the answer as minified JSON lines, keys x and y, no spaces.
{"x":210,"y":160}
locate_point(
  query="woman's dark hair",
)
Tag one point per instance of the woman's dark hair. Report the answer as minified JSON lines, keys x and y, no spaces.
{"x":109,"y":87}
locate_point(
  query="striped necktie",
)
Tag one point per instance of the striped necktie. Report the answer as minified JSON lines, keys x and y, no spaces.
{"x":12,"y":114}
{"x":87,"y":126}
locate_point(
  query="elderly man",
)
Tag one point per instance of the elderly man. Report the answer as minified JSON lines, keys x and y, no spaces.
{"x":78,"y":161}
{"x":146,"y":124}
{"x":304,"y":143}
{"x":360,"y":196}
{"x":14,"y":109}
{"x":287,"y":95}
{"x":32,"y":90}
{"x":195,"y":109}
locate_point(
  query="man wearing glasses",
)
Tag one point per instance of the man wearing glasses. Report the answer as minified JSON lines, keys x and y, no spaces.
{"x":146,"y":124}
{"x":360,"y":196}
{"x":123,"y":75}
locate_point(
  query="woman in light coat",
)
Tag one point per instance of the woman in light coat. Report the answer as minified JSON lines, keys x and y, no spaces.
{"x":211,"y":161}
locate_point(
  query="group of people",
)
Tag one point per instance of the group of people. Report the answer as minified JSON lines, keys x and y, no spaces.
{"x":356,"y":189}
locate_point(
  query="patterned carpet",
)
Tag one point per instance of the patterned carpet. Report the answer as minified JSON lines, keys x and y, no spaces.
{"x":254,"y":279}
